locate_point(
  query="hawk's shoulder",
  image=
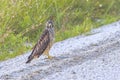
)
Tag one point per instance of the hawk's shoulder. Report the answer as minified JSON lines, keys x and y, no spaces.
{"x":44,"y":35}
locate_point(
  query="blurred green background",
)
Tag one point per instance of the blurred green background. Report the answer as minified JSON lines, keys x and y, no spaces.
{"x":22,"y":21}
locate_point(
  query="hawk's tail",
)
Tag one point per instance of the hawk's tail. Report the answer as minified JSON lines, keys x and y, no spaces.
{"x":29,"y":59}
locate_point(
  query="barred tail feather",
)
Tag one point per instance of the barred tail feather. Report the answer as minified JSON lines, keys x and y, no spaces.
{"x":29,"y":59}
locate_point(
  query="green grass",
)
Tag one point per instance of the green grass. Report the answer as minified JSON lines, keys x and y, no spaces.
{"x":22,"y":21}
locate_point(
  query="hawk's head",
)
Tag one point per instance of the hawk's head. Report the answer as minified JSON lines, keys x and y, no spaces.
{"x":49,"y":24}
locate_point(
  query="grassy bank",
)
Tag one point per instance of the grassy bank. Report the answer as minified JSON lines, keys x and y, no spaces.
{"x":21,"y":21}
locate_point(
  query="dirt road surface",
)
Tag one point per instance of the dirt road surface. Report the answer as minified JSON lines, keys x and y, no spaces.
{"x":85,"y":57}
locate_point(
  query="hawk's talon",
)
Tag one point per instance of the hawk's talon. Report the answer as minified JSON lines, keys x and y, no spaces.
{"x":50,"y":57}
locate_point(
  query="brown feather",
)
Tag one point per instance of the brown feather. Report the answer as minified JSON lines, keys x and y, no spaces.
{"x":41,"y":45}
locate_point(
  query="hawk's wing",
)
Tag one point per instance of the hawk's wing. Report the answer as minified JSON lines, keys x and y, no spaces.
{"x":41,"y":45}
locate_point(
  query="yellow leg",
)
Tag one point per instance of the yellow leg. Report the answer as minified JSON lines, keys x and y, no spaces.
{"x":47,"y":54}
{"x":47,"y":51}
{"x":50,"y":57}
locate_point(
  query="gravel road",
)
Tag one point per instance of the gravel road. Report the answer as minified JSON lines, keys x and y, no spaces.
{"x":85,"y":57}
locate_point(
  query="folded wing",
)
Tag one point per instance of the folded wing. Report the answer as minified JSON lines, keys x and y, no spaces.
{"x":40,"y":46}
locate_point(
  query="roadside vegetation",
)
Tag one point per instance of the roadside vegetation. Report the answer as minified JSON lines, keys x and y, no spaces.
{"x":22,"y":21}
